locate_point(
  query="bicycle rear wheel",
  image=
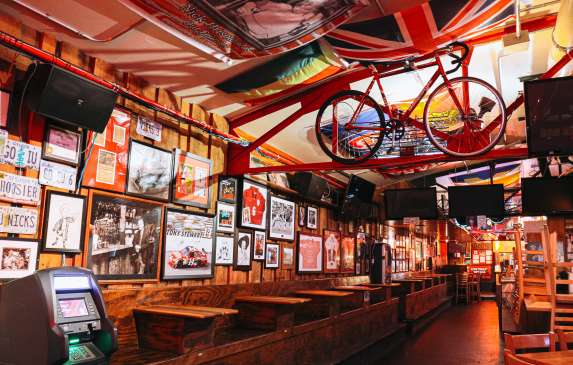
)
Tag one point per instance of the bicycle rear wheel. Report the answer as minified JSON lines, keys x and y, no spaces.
{"x":347,"y":142}
{"x":469,"y":125}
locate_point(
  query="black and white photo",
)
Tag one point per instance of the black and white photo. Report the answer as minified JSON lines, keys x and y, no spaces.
{"x":243,"y":250}
{"x":224,"y":250}
{"x":64,"y":222}
{"x":282,"y":216}
{"x":312,"y":217}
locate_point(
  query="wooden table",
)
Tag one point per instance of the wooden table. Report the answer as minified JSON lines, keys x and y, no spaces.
{"x":267,"y":312}
{"x":387,"y":288}
{"x":549,"y":358}
{"x":365,"y":290}
{"x":411,"y":283}
{"x":330,"y":299}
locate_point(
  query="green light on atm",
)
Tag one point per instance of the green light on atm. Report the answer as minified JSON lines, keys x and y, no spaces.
{"x":74,"y":341}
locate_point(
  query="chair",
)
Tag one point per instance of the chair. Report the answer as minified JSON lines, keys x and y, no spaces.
{"x":511,"y":359}
{"x":462,"y":286}
{"x":529,"y":343}
{"x":565,"y":341}
{"x":474,"y":285}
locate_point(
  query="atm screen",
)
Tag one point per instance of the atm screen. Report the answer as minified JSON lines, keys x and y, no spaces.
{"x":73,"y":308}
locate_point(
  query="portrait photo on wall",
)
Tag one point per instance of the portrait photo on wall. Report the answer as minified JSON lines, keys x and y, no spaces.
{"x":272,"y":256}
{"x":224,"y":250}
{"x":64,"y":222}
{"x":331,"y":251}
{"x":188,"y":246}
{"x":309,"y":257}
{"x":228,"y":189}
{"x":191,"y":179}
{"x":253,"y":205}
{"x":347,"y":251}
{"x":62,"y":145}
{"x":124,"y":237}
{"x":243,"y":250}
{"x":225,"y":217}
{"x":301,"y":215}
{"x":18,"y":257}
{"x":288,"y":257}
{"x":260,"y":240}
{"x":149,"y":171}
{"x":312,"y":217}
{"x":282,"y":216}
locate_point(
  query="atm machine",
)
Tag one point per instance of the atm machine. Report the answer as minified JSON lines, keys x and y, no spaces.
{"x":55,"y":316}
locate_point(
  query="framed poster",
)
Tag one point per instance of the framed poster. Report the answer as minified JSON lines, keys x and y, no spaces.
{"x":18,"y":220}
{"x":282,"y":216}
{"x":191,"y":179}
{"x":301,"y":215}
{"x":288,"y":257}
{"x":149,"y":171}
{"x":347,"y":250}
{"x":189,"y":246}
{"x":331,"y":251}
{"x":18,"y":257}
{"x":228,"y":189}
{"x":124,"y":237}
{"x":19,"y":189}
{"x":243,"y":250}
{"x":309,"y":258}
{"x":148,"y":128}
{"x":312,"y":217}
{"x":225,"y":217}
{"x":260,"y":240}
{"x":272,"y":256}
{"x":224,"y":250}
{"x":58,"y":175}
{"x":62,"y":145}
{"x":106,"y":168}
{"x":64,"y":222}
{"x":253,"y":205}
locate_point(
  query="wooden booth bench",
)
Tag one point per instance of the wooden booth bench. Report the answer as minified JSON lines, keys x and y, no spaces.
{"x":421,"y":295}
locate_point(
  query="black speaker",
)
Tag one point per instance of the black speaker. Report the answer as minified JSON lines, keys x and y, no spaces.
{"x":61,"y":95}
{"x":309,"y":185}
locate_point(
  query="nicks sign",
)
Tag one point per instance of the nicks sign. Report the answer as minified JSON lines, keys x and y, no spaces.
{"x":18,"y":220}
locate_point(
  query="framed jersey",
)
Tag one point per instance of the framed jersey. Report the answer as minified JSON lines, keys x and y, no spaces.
{"x":253,"y":205}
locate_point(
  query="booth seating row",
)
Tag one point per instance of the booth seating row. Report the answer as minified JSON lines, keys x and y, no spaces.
{"x":305,"y":321}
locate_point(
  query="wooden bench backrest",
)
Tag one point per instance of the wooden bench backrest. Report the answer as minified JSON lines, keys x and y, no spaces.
{"x":523,"y":343}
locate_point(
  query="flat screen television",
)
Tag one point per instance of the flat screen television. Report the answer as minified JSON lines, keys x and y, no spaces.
{"x":418,"y":202}
{"x":360,"y":189}
{"x":549,"y":116}
{"x":547,"y":196}
{"x":465,"y":201}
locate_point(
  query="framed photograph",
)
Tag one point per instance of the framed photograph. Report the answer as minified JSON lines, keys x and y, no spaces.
{"x":360,"y":253}
{"x":149,"y":171}
{"x":282,"y":216}
{"x":228,"y":189}
{"x":124,"y":237}
{"x":191,"y":176}
{"x":243,"y":250}
{"x":288,"y":257}
{"x":301,"y":215}
{"x":260,"y":239}
{"x":18,"y":257}
{"x":225,"y":217}
{"x":331,"y":251}
{"x":279,"y":179}
{"x":309,"y":258}
{"x":189,"y":246}
{"x":254,"y":197}
{"x":272,"y":256}
{"x":347,"y":252}
{"x":224,"y":250}
{"x":312,"y":217}
{"x":62,"y":145}
{"x":64,"y":222}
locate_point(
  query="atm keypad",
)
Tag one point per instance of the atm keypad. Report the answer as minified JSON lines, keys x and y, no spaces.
{"x":80,"y":353}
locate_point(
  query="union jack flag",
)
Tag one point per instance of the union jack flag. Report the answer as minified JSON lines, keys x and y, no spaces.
{"x":418,"y":29}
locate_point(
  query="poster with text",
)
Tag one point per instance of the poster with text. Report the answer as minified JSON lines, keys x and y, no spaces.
{"x":192,"y":174}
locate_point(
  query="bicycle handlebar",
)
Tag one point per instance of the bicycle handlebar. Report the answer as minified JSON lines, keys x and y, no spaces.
{"x":458,"y":60}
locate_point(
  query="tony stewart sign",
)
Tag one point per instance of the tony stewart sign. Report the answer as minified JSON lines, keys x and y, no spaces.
{"x":19,"y":189}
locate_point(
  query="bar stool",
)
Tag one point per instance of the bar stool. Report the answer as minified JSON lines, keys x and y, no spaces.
{"x":462,"y":287}
{"x":474,"y":287}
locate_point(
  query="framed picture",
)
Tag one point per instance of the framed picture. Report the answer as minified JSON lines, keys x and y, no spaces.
{"x":331,"y":251}
{"x":309,"y":258}
{"x":360,"y":253}
{"x":260,"y":239}
{"x":279,"y":179}
{"x":189,"y":246}
{"x":124,"y":237}
{"x":224,"y":250}
{"x":228,"y":189}
{"x":225,"y":217}
{"x":282,"y":216}
{"x":18,"y":257}
{"x":288,"y":257}
{"x":62,"y":145}
{"x":64,"y":222}
{"x":272,"y":256}
{"x":106,"y":168}
{"x":301,"y":215}
{"x":243,"y":250}
{"x":347,"y":252}
{"x":253,"y":205}
{"x":312,"y":217}
{"x":149,"y":171}
{"x":191,"y":176}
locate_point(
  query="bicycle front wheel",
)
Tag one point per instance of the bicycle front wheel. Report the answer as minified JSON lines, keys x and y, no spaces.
{"x":466,"y":118}
{"x":350,"y":127}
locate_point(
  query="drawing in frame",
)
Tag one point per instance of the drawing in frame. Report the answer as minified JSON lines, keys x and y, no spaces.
{"x":282,"y":219}
{"x":287,"y":257}
{"x":224,"y":250}
{"x":64,"y":222}
{"x":149,"y":171}
{"x":243,"y":250}
{"x":18,"y":257}
{"x":228,"y":189}
{"x":331,"y":251}
{"x":188,"y":245}
{"x":225,"y":217}
{"x":301,"y":215}
{"x":62,"y":145}
{"x":312,"y":217}
{"x":260,"y":240}
{"x":309,"y":253}
{"x":253,"y":205}
{"x":272,"y":255}
{"x":347,"y":254}
{"x":191,"y":175}
{"x":124,"y":237}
